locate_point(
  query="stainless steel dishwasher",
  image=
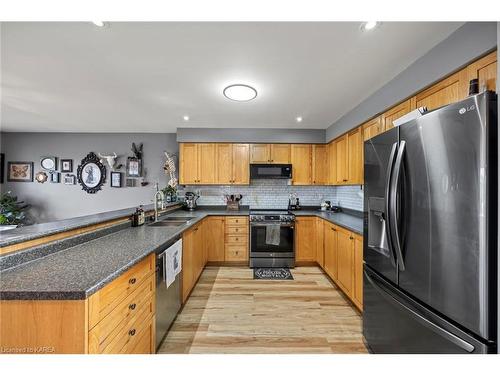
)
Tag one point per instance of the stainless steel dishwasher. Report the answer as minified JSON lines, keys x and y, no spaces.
{"x":168,"y":300}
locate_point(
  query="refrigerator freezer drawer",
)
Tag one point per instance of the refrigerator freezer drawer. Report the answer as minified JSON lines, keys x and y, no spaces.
{"x":394,"y":324}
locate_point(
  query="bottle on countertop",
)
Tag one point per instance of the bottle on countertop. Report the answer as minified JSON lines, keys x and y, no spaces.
{"x":138,"y":217}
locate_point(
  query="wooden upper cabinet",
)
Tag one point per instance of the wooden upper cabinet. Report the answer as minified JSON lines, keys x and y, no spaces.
{"x":449,"y":90}
{"x":372,"y":128}
{"x":341,"y":160}
{"x":357,"y":293}
{"x":330,"y":249}
{"x":396,"y":112}
{"x":224,"y":165}
{"x":345,"y":246}
{"x":241,"y":164}
{"x":188,"y":163}
{"x":355,"y":156}
{"x":305,"y":239}
{"x":206,"y":163}
{"x":332,"y":163}
{"x":280,"y":153}
{"x":301,"y":164}
{"x":270,"y":153}
{"x":319,"y":164}
{"x":484,"y":69}
{"x":260,"y":153}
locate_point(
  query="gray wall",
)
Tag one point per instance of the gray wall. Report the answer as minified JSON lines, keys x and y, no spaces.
{"x":251,"y":135}
{"x":464,"y":45}
{"x":58,"y":201}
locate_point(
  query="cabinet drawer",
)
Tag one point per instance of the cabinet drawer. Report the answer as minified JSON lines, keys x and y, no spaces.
{"x":236,"y":221}
{"x":145,"y":343}
{"x":237,"y":239}
{"x":105,"y":300}
{"x":126,"y":335}
{"x":236,"y":253}
{"x":141,"y":298}
{"x":237,"y":230}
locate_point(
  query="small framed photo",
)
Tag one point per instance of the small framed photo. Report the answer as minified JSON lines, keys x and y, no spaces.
{"x":67,"y":165}
{"x":69,"y":179}
{"x":20,"y":171}
{"x":134,"y":167}
{"x":116,"y":179}
{"x":55,"y":177}
{"x":49,"y":163}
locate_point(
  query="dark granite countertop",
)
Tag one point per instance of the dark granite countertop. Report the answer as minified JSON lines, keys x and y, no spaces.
{"x":31,"y":232}
{"x":79,"y":271}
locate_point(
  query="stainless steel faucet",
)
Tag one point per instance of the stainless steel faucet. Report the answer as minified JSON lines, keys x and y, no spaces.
{"x":155,"y":199}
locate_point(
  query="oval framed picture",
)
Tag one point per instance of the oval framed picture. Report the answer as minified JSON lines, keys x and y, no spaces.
{"x":91,"y":173}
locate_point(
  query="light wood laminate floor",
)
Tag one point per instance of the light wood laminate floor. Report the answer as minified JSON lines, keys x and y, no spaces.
{"x":229,"y":312}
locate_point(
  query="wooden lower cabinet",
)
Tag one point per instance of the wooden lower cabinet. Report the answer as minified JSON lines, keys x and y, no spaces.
{"x":236,"y":239}
{"x":343,"y":260}
{"x":320,"y":246}
{"x":119,"y":318}
{"x":305,"y":241}
{"x":192,"y":259}
{"x":214,"y":229}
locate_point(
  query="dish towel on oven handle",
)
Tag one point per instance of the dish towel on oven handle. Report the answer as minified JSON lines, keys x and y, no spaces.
{"x":273,"y":234}
{"x":173,"y":262}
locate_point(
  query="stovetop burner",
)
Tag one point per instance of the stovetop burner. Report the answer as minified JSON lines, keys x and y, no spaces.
{"x":271,"y":215}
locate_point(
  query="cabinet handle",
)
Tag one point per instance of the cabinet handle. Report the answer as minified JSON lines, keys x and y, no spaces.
{"x":132,"y":332}
{"x":131,"y":306}
{"x":132,"y":280}
{"x":351,"y":238}
{"x":195,"y":229}
{"x":344,"y":180}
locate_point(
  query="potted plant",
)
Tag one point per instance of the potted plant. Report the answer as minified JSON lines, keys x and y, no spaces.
{"x":12,"y":211}
{"x":170,"y":191}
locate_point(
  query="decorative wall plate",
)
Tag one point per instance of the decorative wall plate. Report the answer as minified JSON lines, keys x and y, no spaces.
{"x":91,"y":173}
{"x":49,"y":163}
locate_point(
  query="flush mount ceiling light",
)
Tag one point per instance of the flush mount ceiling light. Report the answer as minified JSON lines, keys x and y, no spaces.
{"x":98,"y":23}
{"x":369,"y":25}
{"x":298,"y":119}
{"x":240,"y":92}
{"x":185,"y":118}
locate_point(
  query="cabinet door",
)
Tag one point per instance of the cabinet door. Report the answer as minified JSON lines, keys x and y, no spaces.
{"x":188,"y":163}
{"x":372,"y":128}
{"x":449,"y":90}
{"x":280,"y":154}
{"x":341,"y":161}
{"x":484,"y":69}
{"x":345,"y":247}
{"x":332,"y":163}
{"x":305,"y":244}
{"x":224,"y":165}
{"x":207,"y":163}
{"x":241,"y":165}
{"x":187,"y":263}
{"x":301,"y":164}
{"x":358,"y":272}
{"x":396,"y":112}
{"x":198,"y":252}
{"x":319,"y":164}
{"x":355,"y":156}
{"x":214,"y":238}
{"x":260,"y":153}
{"x":330,"y":238}
{"x":320,"y":254}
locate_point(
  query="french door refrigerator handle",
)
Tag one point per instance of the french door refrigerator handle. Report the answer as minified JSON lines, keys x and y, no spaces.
{"x":424,"y":321}
{"x":393,"y":202}
{"x":387,"y":197}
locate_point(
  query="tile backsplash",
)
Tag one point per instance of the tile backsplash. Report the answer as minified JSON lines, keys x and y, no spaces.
{"x":275,"y":194}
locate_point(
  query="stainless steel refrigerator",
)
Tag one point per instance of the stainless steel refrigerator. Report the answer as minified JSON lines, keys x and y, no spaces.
{"x":430,"y":248}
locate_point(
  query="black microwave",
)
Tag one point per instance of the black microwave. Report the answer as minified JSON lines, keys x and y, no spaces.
{"x":261,"y":171}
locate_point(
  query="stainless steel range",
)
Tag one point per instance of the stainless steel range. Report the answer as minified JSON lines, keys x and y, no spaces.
{"x":272,"y":238}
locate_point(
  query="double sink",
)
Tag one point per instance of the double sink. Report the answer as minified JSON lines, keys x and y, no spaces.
{"x":172,"y":221}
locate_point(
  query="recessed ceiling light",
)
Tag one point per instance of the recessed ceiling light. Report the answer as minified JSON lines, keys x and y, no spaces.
{"x":369,"y":25}
{"x":185,"y":118}
{"x":98,"y":23}
{"x":240,"y":92}
{"x":298,"y":119}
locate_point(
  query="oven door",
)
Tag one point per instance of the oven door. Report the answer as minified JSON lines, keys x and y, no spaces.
{"x":260,"y":249}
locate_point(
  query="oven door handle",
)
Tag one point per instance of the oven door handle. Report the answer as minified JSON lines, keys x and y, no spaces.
{"x":266,"y":224}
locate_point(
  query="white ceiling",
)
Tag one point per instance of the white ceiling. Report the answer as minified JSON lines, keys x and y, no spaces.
{"x":144,"y":77}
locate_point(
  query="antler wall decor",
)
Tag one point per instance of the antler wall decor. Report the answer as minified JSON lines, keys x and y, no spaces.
{"x":169,"y":168}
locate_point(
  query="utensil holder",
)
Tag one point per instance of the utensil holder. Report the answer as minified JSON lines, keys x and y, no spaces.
{"x":233,"y":206}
